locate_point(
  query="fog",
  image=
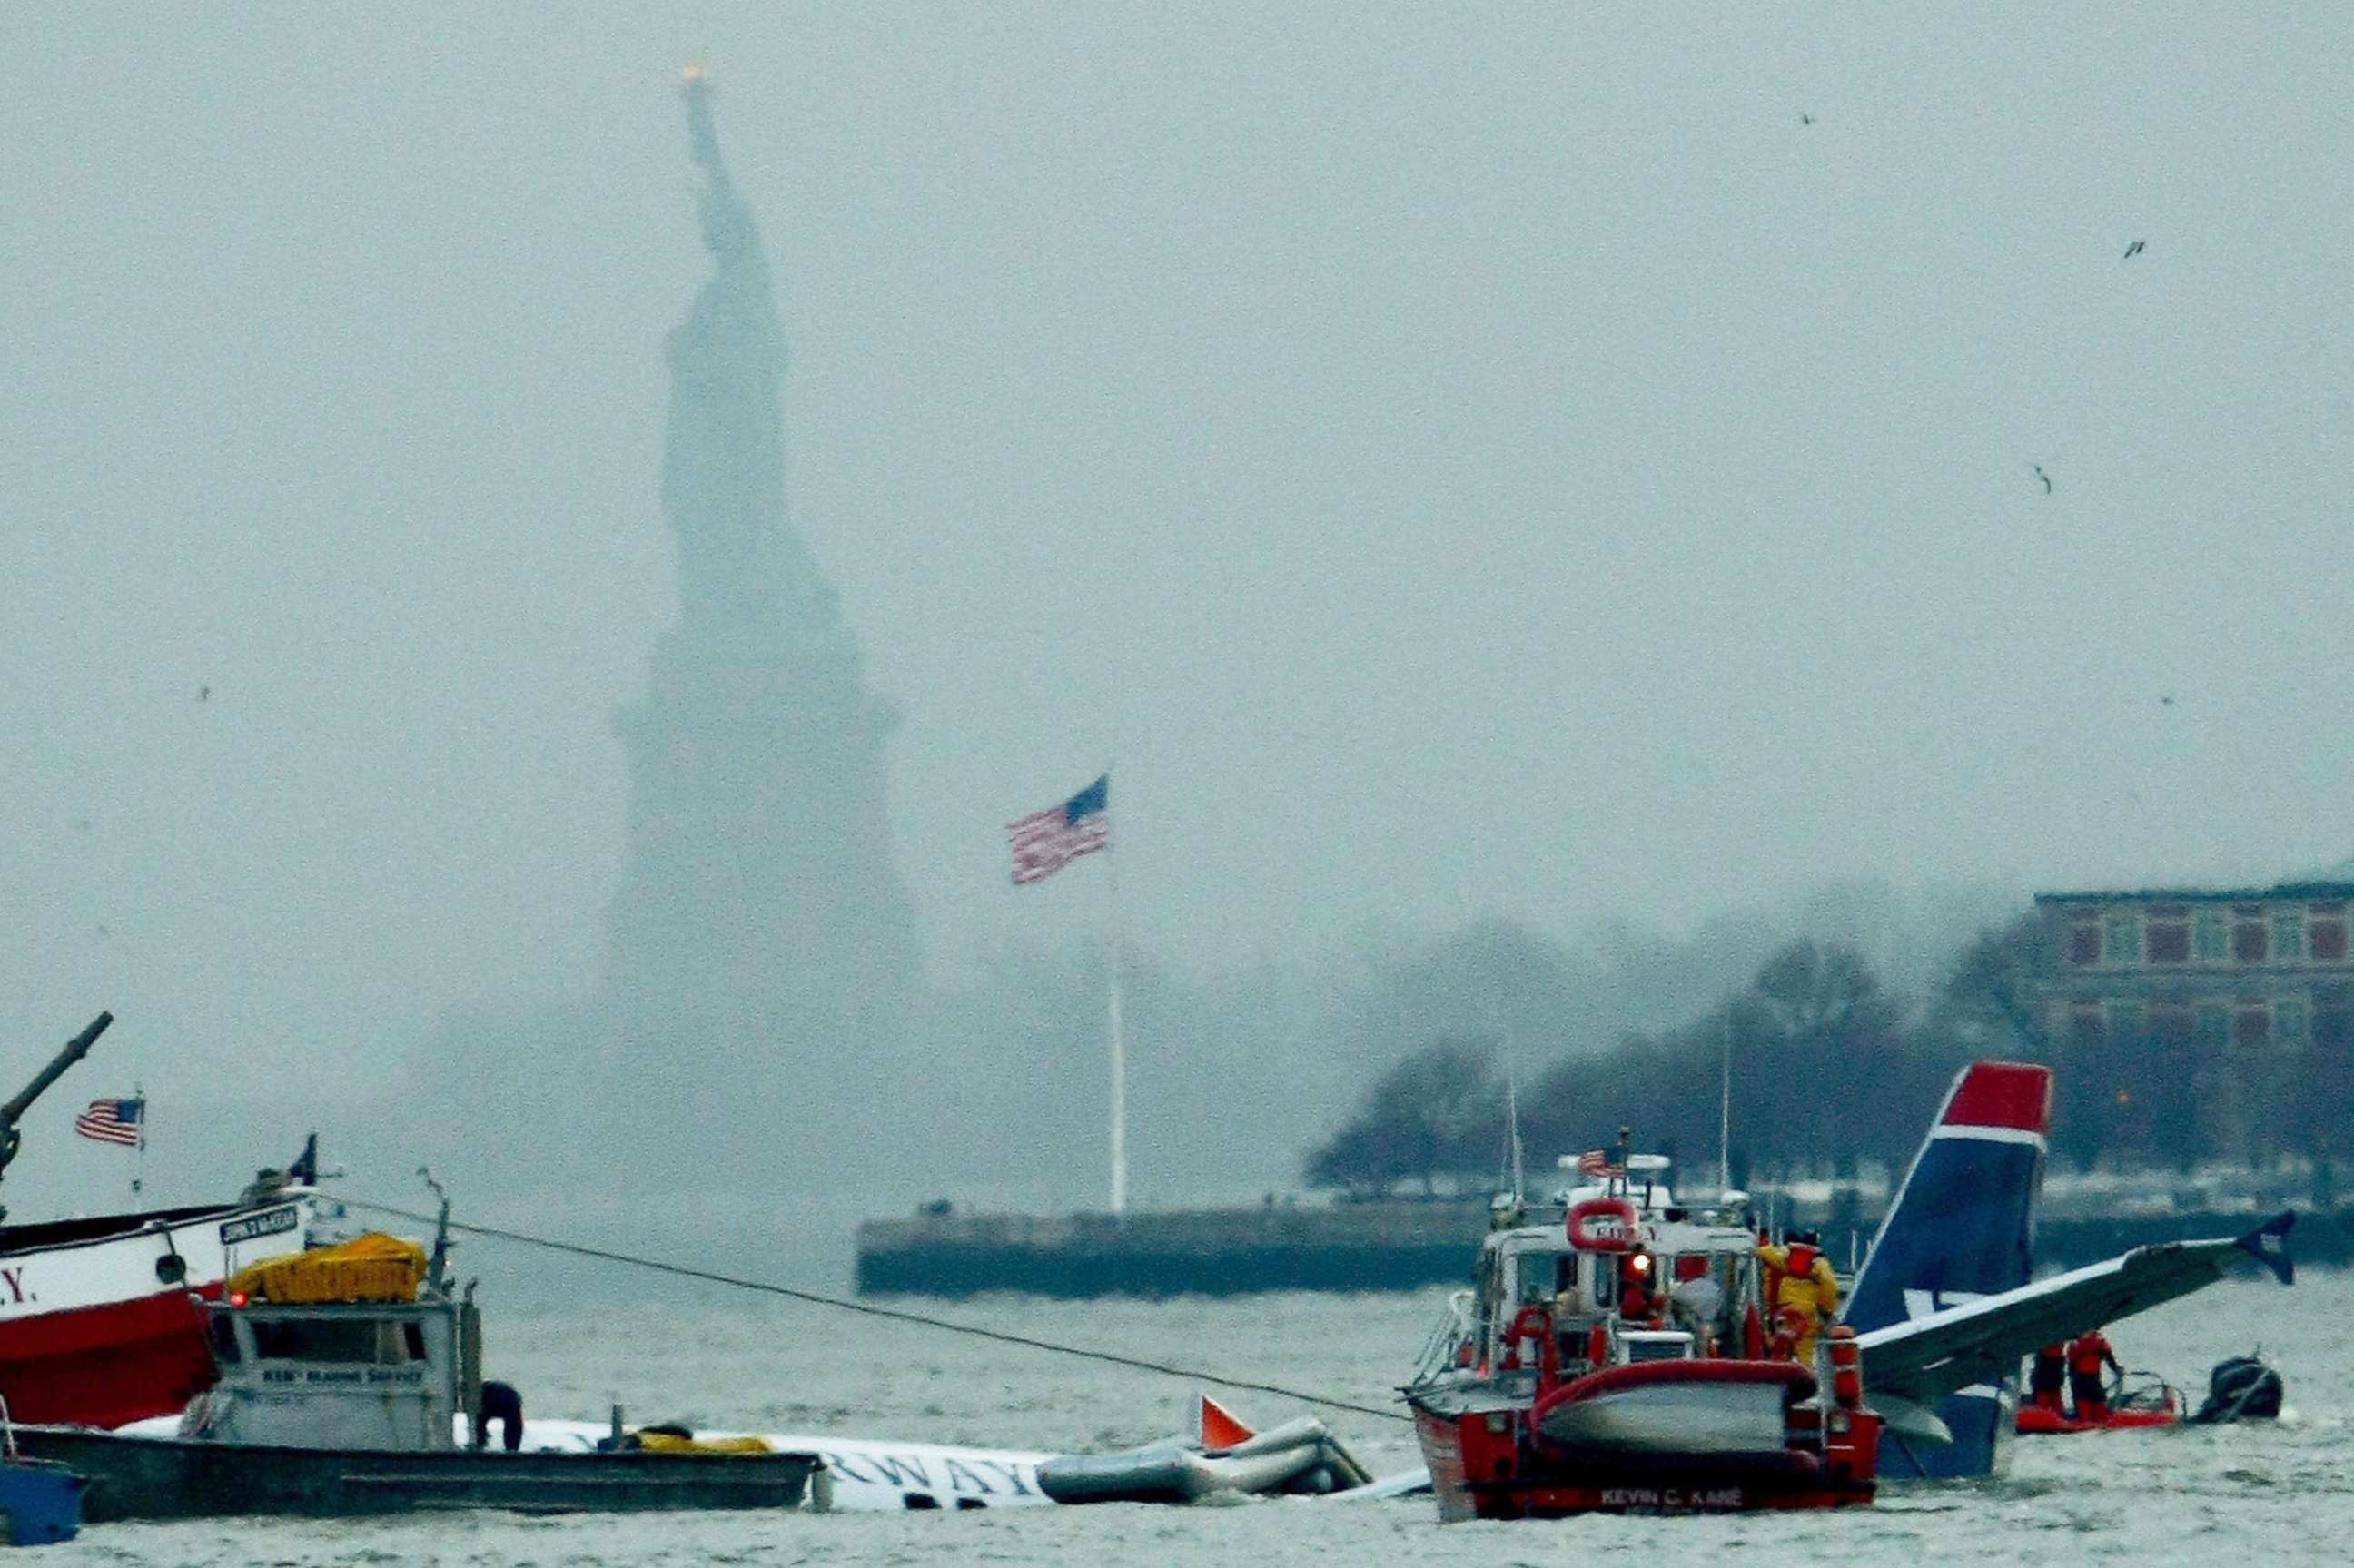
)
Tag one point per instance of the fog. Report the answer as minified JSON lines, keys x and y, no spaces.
{"x":1531,"y":508}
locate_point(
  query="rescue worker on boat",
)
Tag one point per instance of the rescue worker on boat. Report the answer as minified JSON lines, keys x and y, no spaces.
{"x":1697,"y":1301}
{"x":2086,"y":1355}
{"x":1805,"y":1291}
{"x":2048,"y":1377}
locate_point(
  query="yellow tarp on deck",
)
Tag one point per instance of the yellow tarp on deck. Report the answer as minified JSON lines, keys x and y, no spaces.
{"x":672,"y":1443}
{"x":371,"y":1268}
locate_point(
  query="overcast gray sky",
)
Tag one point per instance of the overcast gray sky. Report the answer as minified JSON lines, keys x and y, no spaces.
{"x":1448,"y":461}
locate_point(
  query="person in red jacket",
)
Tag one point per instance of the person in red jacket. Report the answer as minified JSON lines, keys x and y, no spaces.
{"x":2088,"y":1353}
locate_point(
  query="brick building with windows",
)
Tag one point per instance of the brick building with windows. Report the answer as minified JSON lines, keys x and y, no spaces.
{"x":2202,"y":1023}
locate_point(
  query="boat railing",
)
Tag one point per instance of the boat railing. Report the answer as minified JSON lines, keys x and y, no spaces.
{"x":1817,"y":1434}
{"x":1456,"y":1328}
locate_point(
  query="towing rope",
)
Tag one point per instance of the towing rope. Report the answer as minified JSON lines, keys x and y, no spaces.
{"x":820,"y":1299}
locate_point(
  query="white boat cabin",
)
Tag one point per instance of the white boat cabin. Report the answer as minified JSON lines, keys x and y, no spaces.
{"x":1622,"y":1271}
{"x":358,"y":1346}
{"x":368,"y":1376}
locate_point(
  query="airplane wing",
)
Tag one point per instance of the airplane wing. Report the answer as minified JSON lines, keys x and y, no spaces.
{"x":1944,"y":1350}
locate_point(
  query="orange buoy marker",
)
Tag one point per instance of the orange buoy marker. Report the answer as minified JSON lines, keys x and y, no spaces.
{"x":1847,"y":1366}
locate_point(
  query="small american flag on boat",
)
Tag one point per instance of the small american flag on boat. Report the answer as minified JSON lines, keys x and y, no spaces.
{"x":113,"y":1121}
{"x":1597,"y":1162}
{"x":1045,"y":842}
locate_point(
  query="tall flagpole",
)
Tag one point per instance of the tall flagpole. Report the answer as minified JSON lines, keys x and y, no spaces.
{"x":1043,"y":843}
{"x":1118,"y":1045}
{"x":139,"y":1169}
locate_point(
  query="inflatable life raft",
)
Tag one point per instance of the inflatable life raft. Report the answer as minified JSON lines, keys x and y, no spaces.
{"x":2040,"y":1421}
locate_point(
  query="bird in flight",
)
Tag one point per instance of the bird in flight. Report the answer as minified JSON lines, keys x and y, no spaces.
{"x":2135,"y":249}
{"x":2042,"y":475}
{"x":1805,"y":117}
{"x":2167,"y":701}
{"x":204,"y":693}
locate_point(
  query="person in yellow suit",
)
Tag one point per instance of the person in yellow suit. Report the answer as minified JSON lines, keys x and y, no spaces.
{"x":1803,"y":1289}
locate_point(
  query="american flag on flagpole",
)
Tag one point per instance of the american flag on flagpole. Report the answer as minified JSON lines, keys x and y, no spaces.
{"x":1045,"y":842}
{"x":114,"y":1122}
{"x":1597,"y":1162}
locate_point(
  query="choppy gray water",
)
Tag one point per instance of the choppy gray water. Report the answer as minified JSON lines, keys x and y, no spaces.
{"x":2266,"y":1493}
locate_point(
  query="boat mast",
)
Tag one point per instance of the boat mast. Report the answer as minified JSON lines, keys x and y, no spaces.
{"x":1724,"y":1109}
{"x":1512,"y":1103}
{"x":437,"y":1269}
{"x":1513,"y":1117}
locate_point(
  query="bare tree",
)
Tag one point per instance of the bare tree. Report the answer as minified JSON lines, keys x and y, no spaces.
{"x":1439,"y":1114}
{"x":1832,"y":1040}
{"x":1988,"y":997}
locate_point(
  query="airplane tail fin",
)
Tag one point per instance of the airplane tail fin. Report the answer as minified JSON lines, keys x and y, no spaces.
{"x":1216,"y":1427}
{"x":1963,"y":1223}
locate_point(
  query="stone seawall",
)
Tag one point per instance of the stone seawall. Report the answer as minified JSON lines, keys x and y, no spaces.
{"x":1360,"y":1246}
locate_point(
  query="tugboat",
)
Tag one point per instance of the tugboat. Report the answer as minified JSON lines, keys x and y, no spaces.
{"x":345,"y":1376}
{"x":1617,"y":1355}
{"x":98,"y":1317}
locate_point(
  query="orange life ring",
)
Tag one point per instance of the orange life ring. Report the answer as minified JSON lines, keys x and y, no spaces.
{"x":1580,"y":1224}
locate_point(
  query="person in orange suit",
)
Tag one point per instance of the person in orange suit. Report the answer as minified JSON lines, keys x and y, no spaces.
{"x":2088,"y":1353}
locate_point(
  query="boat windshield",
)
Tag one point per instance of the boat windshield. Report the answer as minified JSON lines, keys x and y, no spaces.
{"x":367,"y":1340}
{"x":1542,"y":1277}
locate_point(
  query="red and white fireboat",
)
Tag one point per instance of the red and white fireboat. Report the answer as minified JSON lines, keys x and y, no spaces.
{"x":99,"y":1317}
{"x":1619,"y":1355}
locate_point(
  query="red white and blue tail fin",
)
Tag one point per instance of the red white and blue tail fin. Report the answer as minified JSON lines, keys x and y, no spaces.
{"x":1962,"y":1225}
